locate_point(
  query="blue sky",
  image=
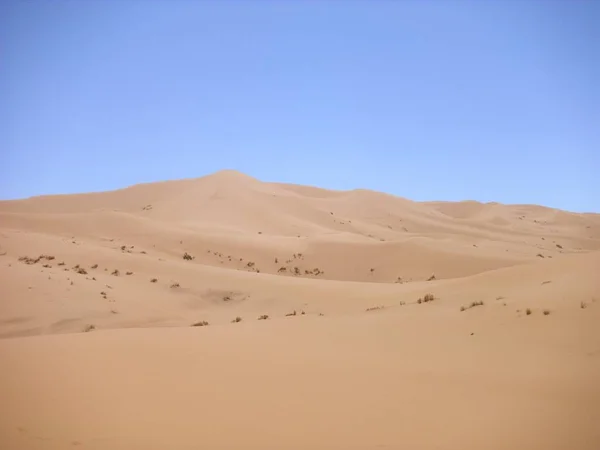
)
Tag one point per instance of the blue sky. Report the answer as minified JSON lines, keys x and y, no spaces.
{"x":429,"y":100}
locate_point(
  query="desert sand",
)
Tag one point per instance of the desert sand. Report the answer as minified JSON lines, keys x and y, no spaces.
{"x":391,"y":324}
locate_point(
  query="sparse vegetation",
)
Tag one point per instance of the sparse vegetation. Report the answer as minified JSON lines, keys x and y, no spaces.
{"x":472,"y":305}
{"x":539,"y":255}
{"x":81,"y":271}
{"x":153,"y":280}
{"x":95,"y":266}
{"x":187,"y":256}
{"x":30,"y":261}
{"x":89,"y":328}
{"x":236,"y":320}
{"x":128,"y":273}
{"x":175,"y":285}
{"x":583,"y":305}
{"x":62,"y":263}
{"x":559,"y":246}
{"x":431,"y":278}
{"x":263,"y":317}
{"x":426,"y":299}
{"x":116,"y":272}
{"x":546,"y":282}
{"x":528,"y":311}
{"x":546,"y":312}
{"x":291,"y":314}
{"x":200,"y":324}
{"x":402,"y":303}
{"x":374,"y":308}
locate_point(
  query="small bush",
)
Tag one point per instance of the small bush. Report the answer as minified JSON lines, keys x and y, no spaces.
{"x":374,"y":308}
{"x":428,"y":298}
{"x":528,"y":311}
{"x":583,"y":305}
{"x":128,"y":273}
{"x":153,"y":280}
{"x":175,"y":285}
{"x":187,"y":256}
{"x":95,"y":266}
{"x":431,"y":278}
{"x":116,"y":272}
{"x":236,"y":320}
{"x":81,"y":271}
{"x":263,"y":317}
{"x":89,"y":328}
{"x":291,"y":314}
{"x":402,"y":303}
{"x":546,"y":312}
{"x":472,"y":305}
{"x":200,"y":324}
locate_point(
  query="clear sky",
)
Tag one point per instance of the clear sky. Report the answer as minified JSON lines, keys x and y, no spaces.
{"x":429,"y":100}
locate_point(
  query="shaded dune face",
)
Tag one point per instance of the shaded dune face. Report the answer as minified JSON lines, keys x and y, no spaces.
{"x":322,"y":319}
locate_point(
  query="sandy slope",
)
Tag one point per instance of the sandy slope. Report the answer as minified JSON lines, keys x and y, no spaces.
{"x":403,"y":375}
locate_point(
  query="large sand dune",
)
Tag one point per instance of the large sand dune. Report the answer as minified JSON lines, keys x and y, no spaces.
{"x":364,"y":363}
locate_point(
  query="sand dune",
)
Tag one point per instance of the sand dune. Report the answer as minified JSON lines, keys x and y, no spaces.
{"x":364,"y":363}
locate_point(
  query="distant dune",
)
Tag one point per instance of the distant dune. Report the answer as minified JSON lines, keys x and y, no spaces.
{"x":392,"y":324}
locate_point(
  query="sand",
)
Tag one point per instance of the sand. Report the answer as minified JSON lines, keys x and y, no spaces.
{"x":97,"y":303}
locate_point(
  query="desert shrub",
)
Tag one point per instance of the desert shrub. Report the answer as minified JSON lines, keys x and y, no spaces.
{"x":236,"y":320}
{"x":263,"y":317}
{"x":374,"y":308}
{"x":428,"y":298}
{"x":200,"y":324}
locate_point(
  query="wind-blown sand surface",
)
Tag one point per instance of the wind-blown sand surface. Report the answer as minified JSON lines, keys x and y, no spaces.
{"x":365,"y":362}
